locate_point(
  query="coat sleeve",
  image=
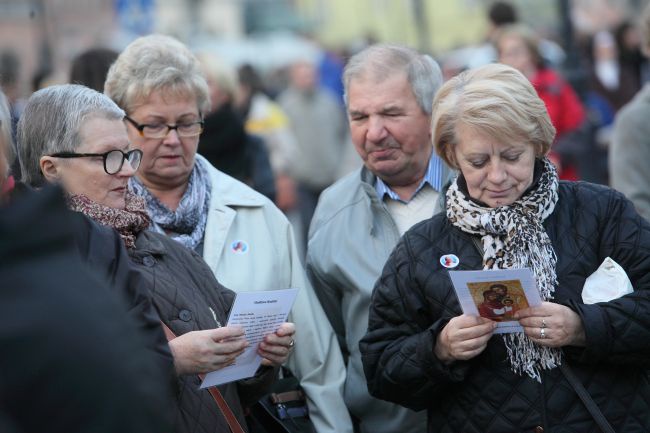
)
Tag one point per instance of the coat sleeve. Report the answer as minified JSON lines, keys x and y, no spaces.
{"x":398,"y":350}
{"x":329,"y":295}
{"x":618,"y":331}
{"x":317,"y":359}
{"x":629,"y":154}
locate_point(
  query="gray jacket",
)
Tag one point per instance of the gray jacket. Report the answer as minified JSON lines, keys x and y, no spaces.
{"x":629,"y":152}
{"x":350,"y":238}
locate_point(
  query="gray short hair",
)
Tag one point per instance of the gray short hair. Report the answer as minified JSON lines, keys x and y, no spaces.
{"x":155,"y":63}
{"x":382,"y":61}
{"x":496,"y":100}
{"x":51,"y":122}
{"x":6,"y":138}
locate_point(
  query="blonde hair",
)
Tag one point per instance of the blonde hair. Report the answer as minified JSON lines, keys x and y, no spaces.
{"x":496,"y":100}
{"x":155,"y":63}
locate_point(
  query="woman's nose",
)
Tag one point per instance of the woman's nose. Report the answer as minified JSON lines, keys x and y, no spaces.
{"x":497,"y":173}
{"x":127,"y":169}
{"x":172,"y":137}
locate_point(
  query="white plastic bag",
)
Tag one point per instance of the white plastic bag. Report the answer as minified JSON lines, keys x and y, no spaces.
{"x":609,"y":282}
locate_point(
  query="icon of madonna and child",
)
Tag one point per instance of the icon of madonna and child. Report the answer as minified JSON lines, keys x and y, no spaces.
{"x":498,"y":300}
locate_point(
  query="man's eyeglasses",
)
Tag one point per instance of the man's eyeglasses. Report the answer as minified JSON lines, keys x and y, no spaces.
{"x":160,"y":130}
{"x":113,"y":159}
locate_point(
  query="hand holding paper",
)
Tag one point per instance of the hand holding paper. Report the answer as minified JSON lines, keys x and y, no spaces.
{"x":562,"y":326}
{"x":276,"y":347}
{"x":463,"y":338}
{"x":260,"y":314}
{"x":199,"y":352}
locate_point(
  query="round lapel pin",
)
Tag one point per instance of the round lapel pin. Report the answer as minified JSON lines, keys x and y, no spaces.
{"x":449,"y":261}
{"x":239,"y":247}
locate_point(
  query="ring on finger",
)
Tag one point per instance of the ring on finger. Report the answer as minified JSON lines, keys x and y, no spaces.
{"x":292,"y":343}
{"x":543,"y":324}
{"x":542,"y":333}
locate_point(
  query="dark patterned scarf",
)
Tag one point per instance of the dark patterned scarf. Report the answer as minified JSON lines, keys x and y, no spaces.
{"x":513,"y":237}
{"x":128,"y":222}
{"x":187,"y":223}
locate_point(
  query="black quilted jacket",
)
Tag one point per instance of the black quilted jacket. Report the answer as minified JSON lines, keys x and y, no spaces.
{"x":189,"y":298}
{"x":414,"y":299}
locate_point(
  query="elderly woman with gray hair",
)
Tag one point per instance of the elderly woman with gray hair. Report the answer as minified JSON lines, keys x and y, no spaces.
{"x":508,"y":210}
{"x":75,"y":136}
{"x":247,"y":242}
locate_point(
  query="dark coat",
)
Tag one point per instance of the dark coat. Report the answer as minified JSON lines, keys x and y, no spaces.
{"x":414,"y":299}
{"x":227,"y":146}
{"x":72,"y":360}
{"x":189,"y":298}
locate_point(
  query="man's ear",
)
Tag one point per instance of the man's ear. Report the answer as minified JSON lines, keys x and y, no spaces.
{"x":50,"y":169}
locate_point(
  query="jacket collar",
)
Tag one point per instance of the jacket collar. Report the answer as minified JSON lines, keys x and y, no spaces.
{"x":227,"y":191}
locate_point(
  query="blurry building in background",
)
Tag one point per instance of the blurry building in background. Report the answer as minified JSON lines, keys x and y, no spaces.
{"x":48,"y":34}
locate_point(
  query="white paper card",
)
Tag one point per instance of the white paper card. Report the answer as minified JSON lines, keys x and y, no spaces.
{"x":496,"y":295}
{"x":259,"y":313}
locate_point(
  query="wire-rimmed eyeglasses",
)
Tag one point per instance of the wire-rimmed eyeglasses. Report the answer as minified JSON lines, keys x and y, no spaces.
{"x":113,"y":159}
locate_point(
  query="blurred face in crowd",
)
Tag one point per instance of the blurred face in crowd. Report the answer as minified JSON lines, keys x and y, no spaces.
{"x":496,"y":173}
{"x":167,"y":161}
{"x":389,"y":130}
{"x":304,"y":76}
{"x":514,"y":52}
{"x":86,"y":176}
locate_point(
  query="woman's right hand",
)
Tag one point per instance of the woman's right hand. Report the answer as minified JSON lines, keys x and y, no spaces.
{"x":463,"y":338}
{"x":204,"y":351}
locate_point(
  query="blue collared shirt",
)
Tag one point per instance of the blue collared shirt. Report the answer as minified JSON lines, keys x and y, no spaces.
{"x":433,"y":176}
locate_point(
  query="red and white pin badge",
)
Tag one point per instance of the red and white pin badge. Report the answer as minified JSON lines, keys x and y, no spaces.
{"x":449,"y":260}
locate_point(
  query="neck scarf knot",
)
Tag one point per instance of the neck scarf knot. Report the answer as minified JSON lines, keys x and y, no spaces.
{"x":513,"y":237}
{"x":187,"y":223}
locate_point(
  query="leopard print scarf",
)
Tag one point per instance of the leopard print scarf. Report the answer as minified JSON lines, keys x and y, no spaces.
{"x":513,"y":237}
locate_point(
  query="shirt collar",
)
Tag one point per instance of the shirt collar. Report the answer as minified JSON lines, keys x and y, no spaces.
{"x":433,"y":177}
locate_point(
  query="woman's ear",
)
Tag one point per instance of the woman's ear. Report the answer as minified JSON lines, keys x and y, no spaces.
{"x":50,"y":169}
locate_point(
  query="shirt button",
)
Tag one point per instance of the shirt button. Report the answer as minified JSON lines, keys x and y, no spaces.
{"x":185,"y":315}
{"x":149,"y":261}
{"x":539,"y":429}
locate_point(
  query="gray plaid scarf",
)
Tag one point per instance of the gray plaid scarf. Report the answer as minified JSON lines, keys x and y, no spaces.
{"x":513,"y":237}
{"x":187,"y":223}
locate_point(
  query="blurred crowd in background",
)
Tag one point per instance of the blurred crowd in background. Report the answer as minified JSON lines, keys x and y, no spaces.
{"x":274,"y":68}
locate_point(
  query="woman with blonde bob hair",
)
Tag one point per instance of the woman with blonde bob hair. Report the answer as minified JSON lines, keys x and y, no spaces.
{"x":508,"y":210}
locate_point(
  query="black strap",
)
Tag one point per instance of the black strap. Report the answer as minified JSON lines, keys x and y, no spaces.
{"x":589,"y":403}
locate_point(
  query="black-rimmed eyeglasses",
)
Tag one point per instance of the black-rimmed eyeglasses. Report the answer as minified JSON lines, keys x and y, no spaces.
{"x":160,"y":130}
{"x":113,"y":159}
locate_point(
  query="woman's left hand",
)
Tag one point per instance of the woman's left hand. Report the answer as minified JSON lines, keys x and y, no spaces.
{"x":276,"y":347}
{"x":552,"y":325}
